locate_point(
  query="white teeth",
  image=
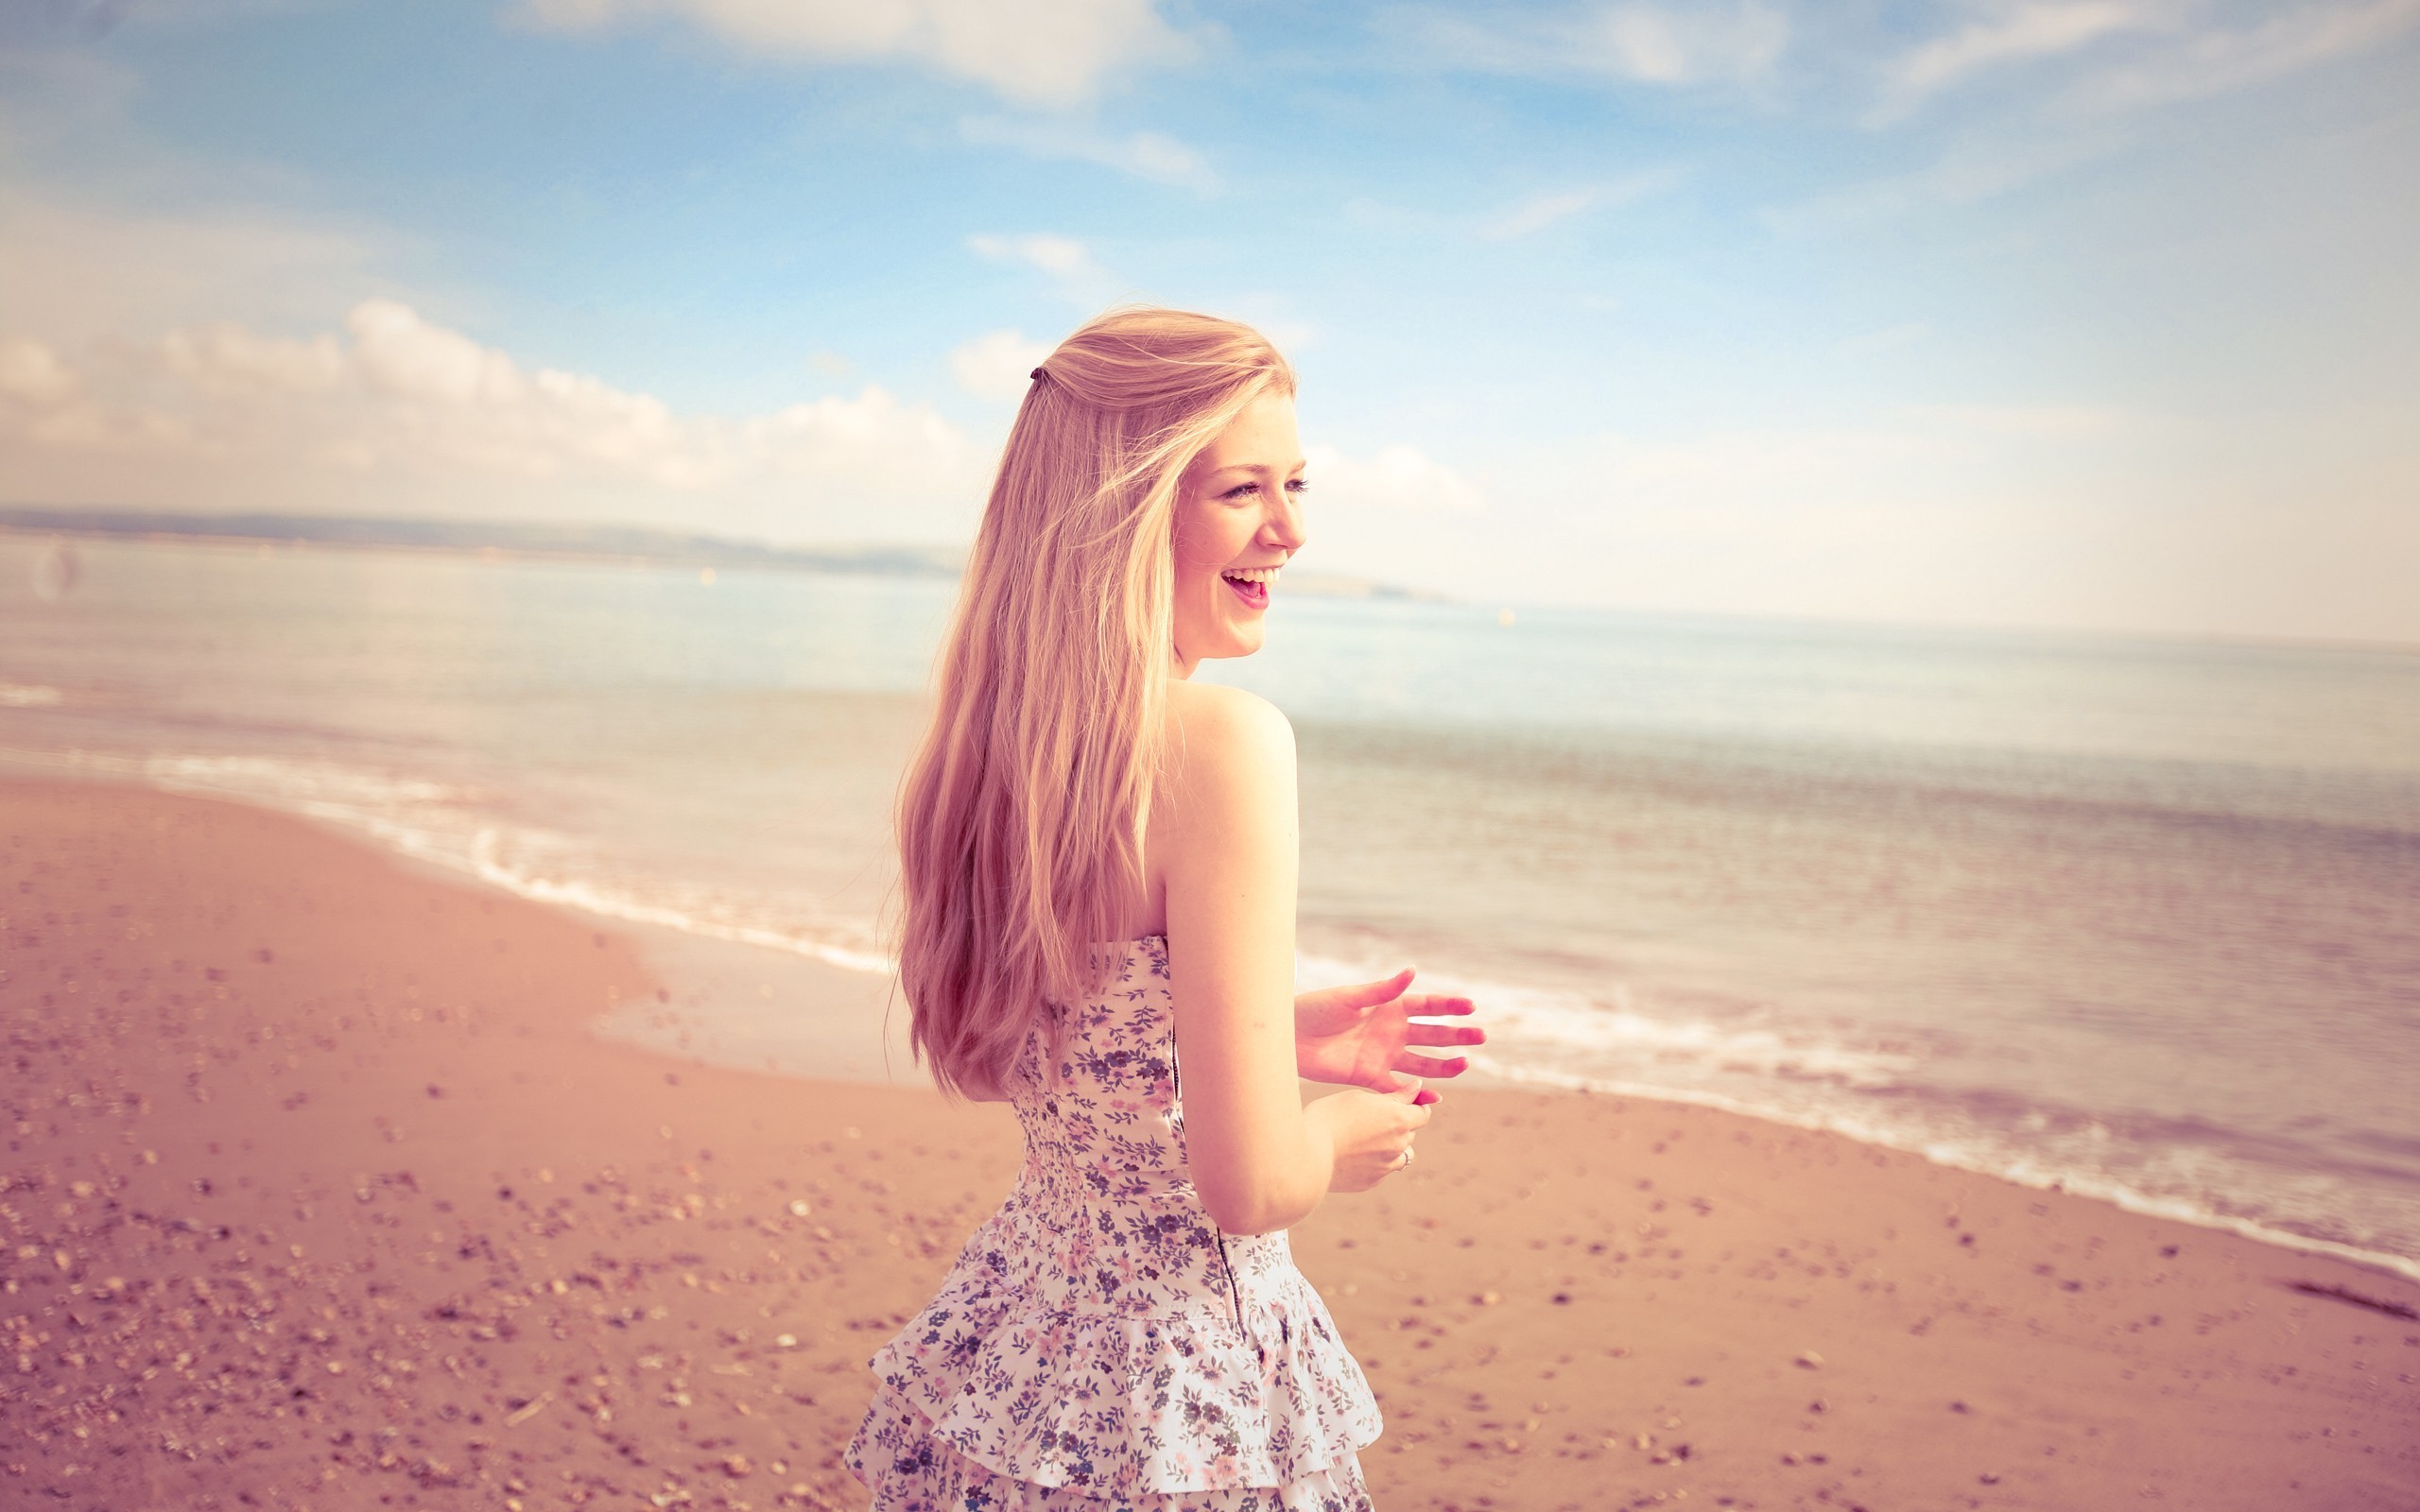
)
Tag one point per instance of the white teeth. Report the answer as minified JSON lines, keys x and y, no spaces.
{"x":1250,"y":574}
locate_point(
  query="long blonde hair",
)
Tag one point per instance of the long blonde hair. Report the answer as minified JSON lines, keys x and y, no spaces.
{"x":1021,"y":819}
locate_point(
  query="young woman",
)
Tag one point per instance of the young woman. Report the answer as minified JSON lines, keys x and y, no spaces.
{"x":1099,"y":865}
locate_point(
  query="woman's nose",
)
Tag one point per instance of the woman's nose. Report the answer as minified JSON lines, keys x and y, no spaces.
{"x":1285,"y":525}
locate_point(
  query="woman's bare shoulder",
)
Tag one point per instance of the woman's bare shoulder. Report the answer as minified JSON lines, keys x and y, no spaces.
{"x":1224,"y":812}
{"x":1226,"y":785}
{"x":1218,"y":734}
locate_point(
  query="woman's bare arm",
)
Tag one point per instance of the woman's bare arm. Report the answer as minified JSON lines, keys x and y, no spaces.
{"x":1226,"y":839}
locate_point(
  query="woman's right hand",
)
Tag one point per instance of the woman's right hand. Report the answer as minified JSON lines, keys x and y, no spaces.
{"x":1372,"y":1133}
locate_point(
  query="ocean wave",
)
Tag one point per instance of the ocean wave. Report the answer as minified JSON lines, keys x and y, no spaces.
{"x":1616,"y":1042}
{"x":351,"y":789}
{"x":1985,"y":1156}
{"x":29,"y":695}
{"x":550,"y":886}
{"x":448,"y":825}
{"x":1554,"y":1026}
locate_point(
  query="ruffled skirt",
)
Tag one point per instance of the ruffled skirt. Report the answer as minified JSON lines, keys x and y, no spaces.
{"x":907,"y":1470}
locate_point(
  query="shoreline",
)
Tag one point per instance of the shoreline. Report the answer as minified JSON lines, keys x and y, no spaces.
{"x":2122,"y":1199}
{"x":322,"y":1184}
{"x":707,"y":961}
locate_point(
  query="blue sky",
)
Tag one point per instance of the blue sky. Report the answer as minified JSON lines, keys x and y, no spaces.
{"x":2090,"y":313}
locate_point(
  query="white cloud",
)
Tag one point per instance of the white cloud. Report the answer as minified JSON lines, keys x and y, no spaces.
{"x":399,"y":411}
{"x":31,"y":373}
{"x":397,"y":351}
{"x":1394,"y":479}
{"x":1708,"y":44}
{"x":2214,"y":63}
{"x":2163,"y":50}
{"x":998,"y":365}
{"x":2026,"y":31}
{"x":1535,"y":214}
{"x":1059,"y":256}
{"x":1046,"y":52}
{"x":1142,"y":154}
{"x":1967,"y":171}
{"x":1068,"y":262}
{"x":224,"y":359}
{"x":2104,"y":54}
{"x":1393,"y":515}
{"x":1684,"y":44}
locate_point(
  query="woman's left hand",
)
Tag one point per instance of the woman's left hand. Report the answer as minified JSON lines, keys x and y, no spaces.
{"x":1359,"y":1036}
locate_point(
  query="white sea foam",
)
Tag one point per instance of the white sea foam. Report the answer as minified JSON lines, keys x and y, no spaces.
{"x":29,"y":695}
{"x":1537,"y":1036}
{"x":1975,"y":1152}
{"x":341,"y":789}
{"x":442,"y":824}
{"x":1552,"y":1028}
{"x":588,"y":896}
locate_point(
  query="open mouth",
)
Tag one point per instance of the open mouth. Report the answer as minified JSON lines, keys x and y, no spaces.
{"x":1251,"y":584}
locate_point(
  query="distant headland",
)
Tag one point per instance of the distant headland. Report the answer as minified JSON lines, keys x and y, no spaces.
{"x":628,"y":546}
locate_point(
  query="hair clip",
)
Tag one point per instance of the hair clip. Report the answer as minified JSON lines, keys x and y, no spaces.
{"x":1037,"y":374}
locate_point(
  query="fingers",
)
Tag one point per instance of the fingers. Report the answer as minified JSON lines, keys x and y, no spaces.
{"x":1370,"y":995}
{"x":1444,"y":1034}
{"x":1432,"y":1005}
{"x":1408,"y":1064}
{"x":1414,"y":1100}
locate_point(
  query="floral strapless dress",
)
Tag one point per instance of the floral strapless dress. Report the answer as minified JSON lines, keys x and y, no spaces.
{"x":1099,"y":1343}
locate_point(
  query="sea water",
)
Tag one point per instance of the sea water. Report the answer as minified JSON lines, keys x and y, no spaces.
{"x":2138,"y":918}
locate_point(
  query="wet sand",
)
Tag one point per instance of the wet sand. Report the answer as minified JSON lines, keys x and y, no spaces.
{"x":320,"y":1193}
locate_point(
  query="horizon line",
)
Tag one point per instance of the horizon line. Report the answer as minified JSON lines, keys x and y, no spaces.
{"x":936,"y":560}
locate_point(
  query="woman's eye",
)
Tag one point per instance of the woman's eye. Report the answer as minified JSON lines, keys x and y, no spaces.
{"x":1298,"y":485}
{"x":1241,"y":490}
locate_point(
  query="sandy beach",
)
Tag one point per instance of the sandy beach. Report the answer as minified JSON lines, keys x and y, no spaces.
{"x":321,"y":1192}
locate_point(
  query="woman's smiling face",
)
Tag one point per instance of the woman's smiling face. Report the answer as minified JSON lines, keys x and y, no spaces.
{"x":1239,"y":517}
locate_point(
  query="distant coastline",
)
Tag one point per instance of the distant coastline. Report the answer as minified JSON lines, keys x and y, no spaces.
{"x":620,"y":546}
{"x":624,"y":544}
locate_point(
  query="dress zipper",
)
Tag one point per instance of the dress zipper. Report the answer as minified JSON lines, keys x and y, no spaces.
{"x":1235,"y":1291}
